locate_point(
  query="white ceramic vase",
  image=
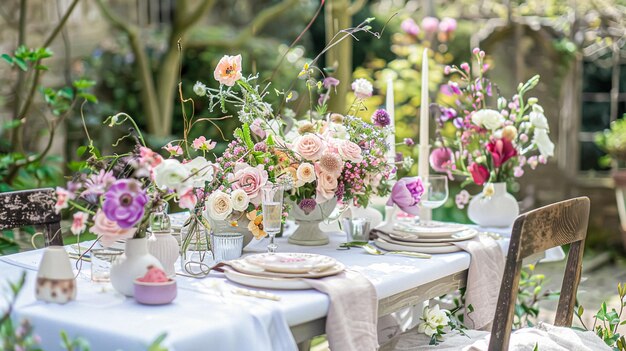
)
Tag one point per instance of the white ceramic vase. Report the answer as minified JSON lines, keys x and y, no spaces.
{"x":308,"y":232}
{"x":132,"y":264}
{"x":55,"y":278}
{"x":497,"y":210}
{"x":164,"y":246}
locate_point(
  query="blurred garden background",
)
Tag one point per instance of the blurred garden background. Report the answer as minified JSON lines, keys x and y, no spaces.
{"x":68,"y":60}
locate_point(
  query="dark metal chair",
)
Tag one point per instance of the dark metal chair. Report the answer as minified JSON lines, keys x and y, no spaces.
{"x":32,"y":207}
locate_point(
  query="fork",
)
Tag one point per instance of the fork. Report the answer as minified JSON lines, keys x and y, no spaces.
{"x":374,"y":251}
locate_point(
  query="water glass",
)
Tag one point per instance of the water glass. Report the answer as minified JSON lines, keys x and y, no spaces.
{"x":226,"y":246}
{"x":272,"y":203}
{"x":435,"y":191}
{"x":101,"y":261}
{"x":356,"y":229}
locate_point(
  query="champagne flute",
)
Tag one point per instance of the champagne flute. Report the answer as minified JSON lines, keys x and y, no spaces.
{"x":272,"y":203}
{"x":435,"y":192}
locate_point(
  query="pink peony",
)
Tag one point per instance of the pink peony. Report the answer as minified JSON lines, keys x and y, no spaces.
{"x":228,"y":70}
{"x":309,"y":146}
{"x":326,"y":186}
{"x":108,"y":230}
{"x":250,"y":179}
{"x":350,"y":151}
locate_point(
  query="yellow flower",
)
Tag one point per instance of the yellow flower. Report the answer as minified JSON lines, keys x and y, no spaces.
{"x":256,"y":224}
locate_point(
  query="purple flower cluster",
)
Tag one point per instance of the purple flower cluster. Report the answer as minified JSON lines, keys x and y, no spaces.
{"x":381,"y":118}
{"x":307,"y":205}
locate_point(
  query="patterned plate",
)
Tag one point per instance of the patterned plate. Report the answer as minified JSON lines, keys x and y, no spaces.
{"x":292,"y":262}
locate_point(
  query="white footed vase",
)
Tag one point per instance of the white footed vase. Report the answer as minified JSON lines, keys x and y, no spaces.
{"x":55,"y":278}
{"x":164,"y":246}
{"x":132,"y":264}
{"x":308,"y":232}
{"x":498,"y":210}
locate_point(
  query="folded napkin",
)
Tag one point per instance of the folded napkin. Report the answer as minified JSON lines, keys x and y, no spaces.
{"x":353,"y":311}
{"x":483,"y":279}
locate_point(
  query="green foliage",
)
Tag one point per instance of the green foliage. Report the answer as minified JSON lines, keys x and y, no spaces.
{"x":606,"y":322}
{"x":530,"y":293}
{"x":16,"y":337}
{"x":24,"y":57}
{"x":613,"y":141}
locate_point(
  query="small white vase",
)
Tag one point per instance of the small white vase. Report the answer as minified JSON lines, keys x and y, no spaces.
{"x":132,"y":264}
{"x":497,"y":210}
{"x":55,"y":278}
{"x":308,"y":232}
{"x":164,"y":246}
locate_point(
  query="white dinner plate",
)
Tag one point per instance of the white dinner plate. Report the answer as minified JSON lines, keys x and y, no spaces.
{"x":266,"y":282}
{"x":245,"y":267}
{"x":431,"y":229}
{"x":460,"y":236}
{"x":423,"y":249}
{"x":291,"y":262}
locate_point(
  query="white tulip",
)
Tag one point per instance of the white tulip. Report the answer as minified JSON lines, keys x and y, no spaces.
{"x":489,"y":119}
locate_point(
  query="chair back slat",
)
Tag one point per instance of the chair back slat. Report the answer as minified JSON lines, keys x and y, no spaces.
{"x":32,"y":207}
{"x":554,"y":225}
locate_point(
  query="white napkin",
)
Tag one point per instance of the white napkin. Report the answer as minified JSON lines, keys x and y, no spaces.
{"x":353,"y":311}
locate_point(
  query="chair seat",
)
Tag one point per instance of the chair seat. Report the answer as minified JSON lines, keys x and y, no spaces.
{"x":547,"y":337}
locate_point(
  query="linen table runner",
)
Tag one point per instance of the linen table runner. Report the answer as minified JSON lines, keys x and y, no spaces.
{"x":353,"y":312}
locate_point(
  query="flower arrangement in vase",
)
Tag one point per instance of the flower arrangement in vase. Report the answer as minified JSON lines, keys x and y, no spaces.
{"x":489,"y":140}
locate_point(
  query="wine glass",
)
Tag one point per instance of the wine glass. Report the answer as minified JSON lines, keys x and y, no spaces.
{"x":435,"y":191}
{"x":272,"y":202}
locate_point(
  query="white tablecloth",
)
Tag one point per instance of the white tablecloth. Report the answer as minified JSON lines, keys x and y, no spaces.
{"x":199,"y":317}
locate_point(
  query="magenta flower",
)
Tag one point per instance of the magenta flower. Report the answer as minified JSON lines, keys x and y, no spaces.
{"x":441,"y":159}
{"x":406,"y":194}
{"x":381,"y":118}
{"x":124,"y":202}
{"x":409,"y":142}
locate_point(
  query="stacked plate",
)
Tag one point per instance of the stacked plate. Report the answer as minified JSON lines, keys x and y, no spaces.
{"x":281,"y":270}
{"x":432,"y":237}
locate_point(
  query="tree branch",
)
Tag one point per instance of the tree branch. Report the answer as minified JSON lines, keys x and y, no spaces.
{"x":196,"y":14}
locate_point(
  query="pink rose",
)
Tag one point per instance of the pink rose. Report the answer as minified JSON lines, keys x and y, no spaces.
{"x":326,"y":186}
{"x":309,"y":146}
{"x":108,"y":230}
{"x":350,"y":151}
{"x":250,"y":179}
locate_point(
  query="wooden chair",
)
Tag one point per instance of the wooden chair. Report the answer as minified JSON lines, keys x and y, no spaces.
{"x":32,"y":207}
{"x":534,"y":232}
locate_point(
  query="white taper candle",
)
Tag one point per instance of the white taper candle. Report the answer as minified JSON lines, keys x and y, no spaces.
{"x":424,"y":147}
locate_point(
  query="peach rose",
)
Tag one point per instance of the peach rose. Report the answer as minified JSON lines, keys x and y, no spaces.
{"x":250,"y":179}
{"x":309,"y":146}
{"x":350,"y":151}
{"x":228,"y":70}
{"x":326,"y":186}
{"x":108,"y":230}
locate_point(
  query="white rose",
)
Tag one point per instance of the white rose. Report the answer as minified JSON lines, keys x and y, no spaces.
{"x":240,"y":200}
{"x":306,"y":172}
{"x":543,"y":142}
{"x":170,"y":174}
{"x":489,"y":119}
{"x":200,"y":171}
{"x":539,"y":120}
{"x":219,"y":206}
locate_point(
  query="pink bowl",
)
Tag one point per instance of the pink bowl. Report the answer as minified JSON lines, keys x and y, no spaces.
{"x":155,"y":293}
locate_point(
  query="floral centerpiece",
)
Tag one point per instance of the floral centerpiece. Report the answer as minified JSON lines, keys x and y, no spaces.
{"x":488,"y":139}
{"x":323,"y":158}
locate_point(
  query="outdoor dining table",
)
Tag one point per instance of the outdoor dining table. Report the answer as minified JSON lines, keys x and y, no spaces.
{"x":200,"y":316}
